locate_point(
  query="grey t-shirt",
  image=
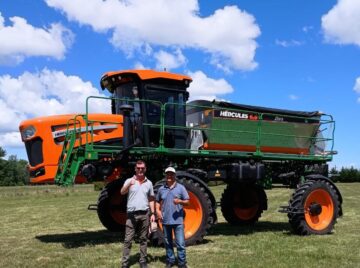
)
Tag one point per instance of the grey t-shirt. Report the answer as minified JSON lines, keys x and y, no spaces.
{"x":138,"y":195}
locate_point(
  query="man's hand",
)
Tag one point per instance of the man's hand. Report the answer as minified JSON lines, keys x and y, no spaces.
{"x":125,"y":189}
{"x":152,"y":218}
{"x":130,"y":183}
{"x":180,"y":201}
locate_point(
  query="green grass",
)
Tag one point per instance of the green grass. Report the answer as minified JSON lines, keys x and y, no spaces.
{"x":49,"y":226}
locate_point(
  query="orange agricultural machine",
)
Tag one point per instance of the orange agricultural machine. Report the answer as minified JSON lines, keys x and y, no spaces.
{"x":44,"y":138}
{"x":246,"y":147}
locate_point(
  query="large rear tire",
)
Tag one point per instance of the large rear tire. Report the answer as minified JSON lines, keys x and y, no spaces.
{"x":243,"y":204}
{"x":314,"y":208}
{"x":111,"y":207}
{"x":198,"y":214}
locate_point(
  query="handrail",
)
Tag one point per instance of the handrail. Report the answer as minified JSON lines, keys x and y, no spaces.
{"x":67,"y":150}
{"x":258,"y":131}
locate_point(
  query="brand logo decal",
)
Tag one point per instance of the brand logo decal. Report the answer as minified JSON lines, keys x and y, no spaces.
{"x":235,"y":115}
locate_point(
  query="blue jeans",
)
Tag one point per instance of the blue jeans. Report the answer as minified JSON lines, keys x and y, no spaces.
{"x":179,"y":241}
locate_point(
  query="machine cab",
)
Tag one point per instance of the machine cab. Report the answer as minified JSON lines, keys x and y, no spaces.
{"x":148,"y":92}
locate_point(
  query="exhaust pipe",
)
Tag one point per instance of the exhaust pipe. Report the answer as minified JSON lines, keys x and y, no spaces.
{"x":128,"y":138}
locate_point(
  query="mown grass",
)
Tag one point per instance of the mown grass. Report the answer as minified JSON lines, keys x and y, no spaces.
{"x":49,"y":226}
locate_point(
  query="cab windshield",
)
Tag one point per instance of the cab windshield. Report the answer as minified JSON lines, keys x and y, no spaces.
{"x":175,"y":105}
{"x":149,"y":111}
{"x":127,"y":91}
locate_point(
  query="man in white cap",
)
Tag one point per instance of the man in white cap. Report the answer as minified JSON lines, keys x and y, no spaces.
{"x":170,"y":199}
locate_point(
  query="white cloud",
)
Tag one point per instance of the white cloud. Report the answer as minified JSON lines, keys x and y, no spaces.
{"x":21,"y":40}
{"x":291,"y":43}
{"x":307,"y":29}
{"x":341,"y":25}
{"x":40,"y":94}
{"x":293,"y":97}
{"x":203,"y":87}
{"x":139,"y":66}
{"x":357,"y":87}
{"x":228,"y":35}
{"x":169,"y":61}
{"x":10,"y":139}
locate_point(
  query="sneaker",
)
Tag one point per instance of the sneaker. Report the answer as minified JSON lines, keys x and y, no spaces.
{"x":169,"y":265}
{"x":183,"y":266}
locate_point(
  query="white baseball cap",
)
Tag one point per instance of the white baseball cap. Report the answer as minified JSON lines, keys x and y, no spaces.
{"x":170,"y":169}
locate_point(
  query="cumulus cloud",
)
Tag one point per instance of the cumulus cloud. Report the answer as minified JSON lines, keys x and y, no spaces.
{"x":168,"y":61}
{"x":307,"y":29}
{"x":11,"y":139}
{"x":357,"y":87}
{"x":291,"y":43}
{"x":206,"y":88}
{"x":139,"y":66}
{"x":293,"y":97}
{"x":39,"y":94}
{"x":341,"y":25}
{"x":21,"y":40}
{"x":228,"y":35}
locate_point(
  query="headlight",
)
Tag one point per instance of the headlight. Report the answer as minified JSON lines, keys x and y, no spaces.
{"x":28,"y":132}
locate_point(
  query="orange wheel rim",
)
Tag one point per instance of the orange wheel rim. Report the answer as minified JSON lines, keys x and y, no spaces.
{"x":246,"y":211}
{"x":193,"y":216}
{"x":323,"y":219}
{"x":116,"y":203}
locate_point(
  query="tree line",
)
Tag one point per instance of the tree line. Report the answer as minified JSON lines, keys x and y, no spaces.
{"x":13,"y":172}
{"x":345,"y":174}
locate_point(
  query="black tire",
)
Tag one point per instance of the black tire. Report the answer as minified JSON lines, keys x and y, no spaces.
{"x":314,"y":208}
{"x":243,"y":204}
{"x":111,"y":206}
{"x":199,"y":209}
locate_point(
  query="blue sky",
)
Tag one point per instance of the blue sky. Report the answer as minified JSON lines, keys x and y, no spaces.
{"x":299,"y":55}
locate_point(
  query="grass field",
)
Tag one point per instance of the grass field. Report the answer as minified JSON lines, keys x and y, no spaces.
{"x":49,"y":226}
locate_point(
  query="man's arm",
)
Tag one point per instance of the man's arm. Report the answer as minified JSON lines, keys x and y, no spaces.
{"x":184,"y":200}
{"x":152,"y":207}
{"x":158,"y":210}
{"x":125,"y":189}
{"x":181,"y":202}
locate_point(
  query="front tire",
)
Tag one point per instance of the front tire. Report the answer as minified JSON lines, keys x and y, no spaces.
{"x":314,"y":208}
{"x":111,"y":206}
{"x":197,"y":220}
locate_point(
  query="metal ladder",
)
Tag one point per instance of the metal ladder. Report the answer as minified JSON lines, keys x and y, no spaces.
{"x":71,"y":157}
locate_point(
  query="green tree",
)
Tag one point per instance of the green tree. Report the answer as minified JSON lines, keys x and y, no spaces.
{"x":2,"y":152}
{"x":349,"y":175}
{"x":12,"y":171}
{"x":334,"y":174}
